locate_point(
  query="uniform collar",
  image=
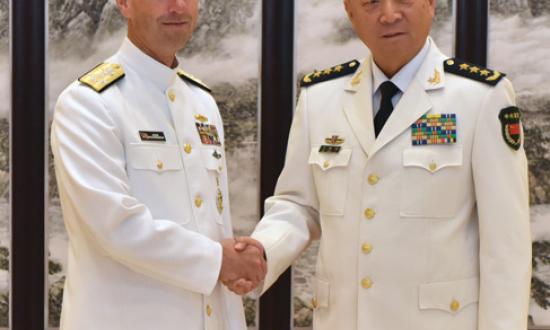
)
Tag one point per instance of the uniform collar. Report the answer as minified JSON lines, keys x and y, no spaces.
{"x":159,"y":74}
{"x":403,"y":78}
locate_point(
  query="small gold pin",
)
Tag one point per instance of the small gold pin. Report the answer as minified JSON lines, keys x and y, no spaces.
{"x":450,"y":62}
{"x":464,"y":66}
{"x":436,"y":79}
{"x":357,"y":78}
{"x":201,"y":118}
{"x":334,"y":140}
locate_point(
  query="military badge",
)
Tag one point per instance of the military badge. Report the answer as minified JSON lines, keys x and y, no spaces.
{"x":510,"y":120}
{"x":216,"y":154}
{"x":208,"y":134}
{"x":434,"y":129}
{"x":151,"y":136}
{"x":332,"y":145}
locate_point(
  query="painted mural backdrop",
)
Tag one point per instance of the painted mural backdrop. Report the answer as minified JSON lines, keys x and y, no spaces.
{"x":225,"y":53}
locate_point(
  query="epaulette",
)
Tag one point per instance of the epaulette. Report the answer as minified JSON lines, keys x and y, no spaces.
{"x":472,"y":71}
{"x":195,"y":81}
{"x":331,"y":73}
{"x":102,"y":76}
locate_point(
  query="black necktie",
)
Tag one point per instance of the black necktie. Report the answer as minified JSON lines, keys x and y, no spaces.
{"x":388,"y":90}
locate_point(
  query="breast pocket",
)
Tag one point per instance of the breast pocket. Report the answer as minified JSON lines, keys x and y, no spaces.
{"x":431,"y":181}
{"x":156,"y":158}
{"x":330,"y":171}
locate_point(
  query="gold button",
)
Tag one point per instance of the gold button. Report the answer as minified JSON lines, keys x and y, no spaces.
{"x":369,"y":213}
{"x":208,"y":310}
{"x":314,"y":303}
{"x":160,"y":164}
{"x":326,"y":164}
{"x":366,"y":283}
{"x":198,"y":202}
{"x":187,"y":148}
{"x":373,"y":179}
{"x":455,"y":305}
{"x":171,"y":95}
{"x":433,"y":166}
{"x":367,"y":248}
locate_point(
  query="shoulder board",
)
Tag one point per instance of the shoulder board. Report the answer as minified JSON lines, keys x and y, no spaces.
{"x":195,"y":81}
{"x":331,"y":73}
{"x":102,"y":76}
{"x":473,"y":71}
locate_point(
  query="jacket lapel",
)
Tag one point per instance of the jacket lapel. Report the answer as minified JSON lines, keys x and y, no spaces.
{"x":357,"y":106}
{"x":415,"y":102}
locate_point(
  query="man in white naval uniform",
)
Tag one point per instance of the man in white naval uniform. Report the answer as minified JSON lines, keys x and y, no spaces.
{"x":141,"y":169}
{"x":416,"y":187}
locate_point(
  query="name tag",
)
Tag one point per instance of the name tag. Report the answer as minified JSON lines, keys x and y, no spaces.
{"x":152,"y":136}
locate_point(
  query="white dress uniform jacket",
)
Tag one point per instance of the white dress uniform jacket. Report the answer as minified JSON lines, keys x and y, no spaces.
{"x":428,"y":237}
{"x":139,"y":192}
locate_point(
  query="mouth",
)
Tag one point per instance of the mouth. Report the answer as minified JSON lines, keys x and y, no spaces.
{"x":176,"y":24}
{"x":392,"y":35}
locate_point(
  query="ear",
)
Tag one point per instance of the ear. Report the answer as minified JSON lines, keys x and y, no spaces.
{"x":432,"y":4}
{"x":347,"y":6}
{"x":124,"y":7}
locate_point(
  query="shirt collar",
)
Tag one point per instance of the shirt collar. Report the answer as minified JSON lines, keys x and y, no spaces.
{"x":404,"y":77}
{"x":159,"y":74}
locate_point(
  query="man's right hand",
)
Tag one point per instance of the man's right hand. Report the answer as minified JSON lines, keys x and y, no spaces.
{"x":246,"y":267}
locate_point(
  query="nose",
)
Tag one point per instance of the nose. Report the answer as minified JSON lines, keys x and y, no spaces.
{"x":390,"y":12}
{"x":178,"y":6}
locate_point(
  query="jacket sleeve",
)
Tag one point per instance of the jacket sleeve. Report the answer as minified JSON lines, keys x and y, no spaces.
{"x":90,"y":166}
{"x":501,"y":188}
{"x":291,"y":215}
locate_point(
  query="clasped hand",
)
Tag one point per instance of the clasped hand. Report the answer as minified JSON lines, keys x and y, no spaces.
{"x":243,"y":264}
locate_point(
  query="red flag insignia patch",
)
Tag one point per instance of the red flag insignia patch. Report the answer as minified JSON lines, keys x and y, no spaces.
{"x":510,"y":120}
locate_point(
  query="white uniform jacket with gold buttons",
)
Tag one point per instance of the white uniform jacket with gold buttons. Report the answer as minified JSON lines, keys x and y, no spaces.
{"x":139,"y":194}
{"x":432,"y":237}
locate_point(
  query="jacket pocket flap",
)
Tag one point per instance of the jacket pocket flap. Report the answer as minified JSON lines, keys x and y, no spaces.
{"x":433,"y":159}
{"x":449,"y":296}
{"x":327,"y":161}
{"x":321,"y":291}
{"x":213,"y":158}
{"x":158,"y":158}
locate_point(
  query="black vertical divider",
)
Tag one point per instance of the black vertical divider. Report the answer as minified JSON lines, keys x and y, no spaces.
{"x":472,"y":17}
{"x":28,"y":152}
{"x":277,"y":104}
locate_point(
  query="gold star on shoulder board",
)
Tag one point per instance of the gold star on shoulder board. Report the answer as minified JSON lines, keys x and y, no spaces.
{"x":474,"y":69}
{"x":317,"y":74}
{"x":464,"y":66}
{"x":484,"y":72}
{"x":327,"y":71}
{"x":338,"y":68}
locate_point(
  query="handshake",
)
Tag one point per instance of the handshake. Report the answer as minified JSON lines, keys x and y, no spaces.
{"x":243,"y":264}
